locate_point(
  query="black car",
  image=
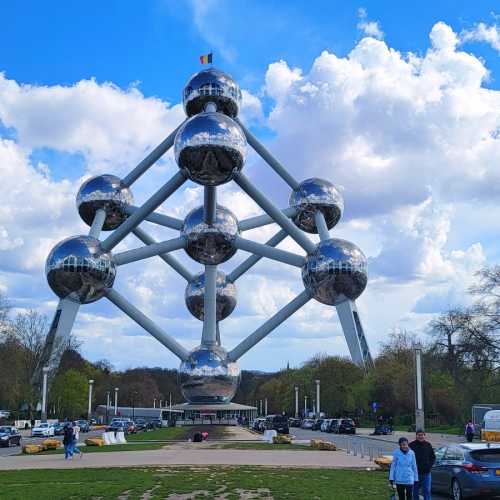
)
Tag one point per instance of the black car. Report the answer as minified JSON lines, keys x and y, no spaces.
{"x":294,"y":422}
{"x":279,"y":423}
{"x":9,"y":436}
{"x":346,"y":426}
{"x":156,"y":423}
{"x":59,"y":428}
{"x":317,"y":424}
{"x":382,"y":430}
{"x":142,"y":425}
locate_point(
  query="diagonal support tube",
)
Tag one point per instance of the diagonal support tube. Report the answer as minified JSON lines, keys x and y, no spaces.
{"x":132,"y":312}
{"x":209,"y":333}
{"x":264,"y":220}
{"x":274,"y":212}
{"x":272,"y":323}
{"x":253,"y":259}
{"x":149,"y":206}
{"x":160,"y":219}
{"x":269,"y":252}
{"x":97,"y":223}
{"x":209,"y":204}
{"x":269,"y":158}
{"x":149,"y":251}
{"x":166,"y":257}
{"x":152,"y":158}
{"x":323,"y":232}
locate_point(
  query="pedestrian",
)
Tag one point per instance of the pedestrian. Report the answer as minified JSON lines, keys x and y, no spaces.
{"x":469,"y":431}
{"x":68,"y":442}
{"x":403,"y":471}
{"x":76,"y":437}
{"x":425,"y":458}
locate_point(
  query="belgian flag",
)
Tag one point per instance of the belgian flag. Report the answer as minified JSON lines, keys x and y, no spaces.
{"x":206,"y":59}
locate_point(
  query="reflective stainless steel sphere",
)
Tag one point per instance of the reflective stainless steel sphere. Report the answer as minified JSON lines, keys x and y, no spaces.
{"x":208,"y":376}
{"x":335,"y":272}
{"x":212,"y":85}
{"x":312,"y":195}
{"x":106,"y":192}
{"x":78,"y":269}
{"x":210,"y":148}
{"x":195,"y":296}
{"x":210,"y":244}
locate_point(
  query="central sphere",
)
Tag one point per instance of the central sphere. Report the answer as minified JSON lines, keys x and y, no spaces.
{"x":78,"y":269}
{"x":225,"y":293}
{"x":207,"y":376}
{"x":105,"y":192}
{"x":335,"y":272}
{"x":315,"y":195}
{"x":210,"y":243}
{"x":212,"y":85}
{"x":210,"y":148}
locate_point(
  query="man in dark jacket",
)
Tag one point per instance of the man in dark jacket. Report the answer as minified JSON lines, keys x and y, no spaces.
{"x":424,"y":454}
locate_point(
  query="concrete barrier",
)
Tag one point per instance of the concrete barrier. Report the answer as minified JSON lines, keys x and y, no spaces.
{"x":105,"y":438}
{"x":120,"y":437}
{"x":269,"y":435}
{"x":112,"y":438}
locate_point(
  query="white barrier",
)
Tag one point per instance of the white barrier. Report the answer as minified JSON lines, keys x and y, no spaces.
{"x":112,"y":437}
{"x":269,"y":435}
{"x":105,"y":438}
{"x":120,"y":437}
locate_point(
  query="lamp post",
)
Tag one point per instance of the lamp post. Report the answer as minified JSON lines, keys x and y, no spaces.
{"x":116,"y":400}
{"x":134,"y":394}
{"x":154,"y":403}
{"x":265,"y":406}
{"x":419,"y":398}
{"x":108,"y":403}
{"x":43,"y":415}
{"x":296,"y":401}
{"x":318,"y":409}
{"x":91,"y":384}
{"x":305,"y":406}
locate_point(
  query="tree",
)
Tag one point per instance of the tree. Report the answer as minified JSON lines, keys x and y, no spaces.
{"x":69,"y":394}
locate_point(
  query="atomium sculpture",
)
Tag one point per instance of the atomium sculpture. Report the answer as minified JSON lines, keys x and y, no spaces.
{"x":210,"y":149}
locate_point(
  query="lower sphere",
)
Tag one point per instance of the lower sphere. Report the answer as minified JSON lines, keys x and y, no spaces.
{"x":207,"y":376}
{"x":335,"y":272}
{"x":225,"y":293}
{"x":78,"y":269}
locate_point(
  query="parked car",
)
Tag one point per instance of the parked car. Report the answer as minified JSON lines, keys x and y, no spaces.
{"x":156,"y":423}
{"x":83,"y":424}
{"x":43,"y":430}
{"x":307,"y":423}
{"x":142,"y":425}
{"x":279,"y":423}
{"x":59,"y":428}
{"x":120,"y":424}
{"x":325,"y":425}
{"x":317,"y":424}
{"x":258,"y":424}
{"x":294,"y":422}
{"x":382,"y":430}
{"x":466,"y":470}
{"x":9,"y":436}
{"x":346,"y":426}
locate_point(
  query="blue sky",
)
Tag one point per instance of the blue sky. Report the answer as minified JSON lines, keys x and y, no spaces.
{"x":397,"y":104}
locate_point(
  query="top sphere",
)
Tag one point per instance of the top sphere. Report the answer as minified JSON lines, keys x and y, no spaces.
{"x":78,"y":269}
{"x":335,"y":272}
{"x":105,"y":192}
{"x":314,"y":195}
{"x":212,"y":85}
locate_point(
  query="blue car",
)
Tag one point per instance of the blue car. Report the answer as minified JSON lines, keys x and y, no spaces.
{"x":467,"y":470}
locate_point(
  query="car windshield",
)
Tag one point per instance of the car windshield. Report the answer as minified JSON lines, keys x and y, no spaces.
{"x":491,"y":455}
{"x":43,"y":425}
{"x":4,"y":430}
{"x":347,"y":422}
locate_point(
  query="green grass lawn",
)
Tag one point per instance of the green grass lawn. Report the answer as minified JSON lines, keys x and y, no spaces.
{"x":231,"y":483}
{"x":105,"y":449}
{"x":164,"y":434}
{"x":260,"y":446}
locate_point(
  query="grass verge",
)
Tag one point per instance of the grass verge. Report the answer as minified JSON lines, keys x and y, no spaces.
{"x":194,"y":482}
{"x":261,"y":446}
{"x":110,"y":448}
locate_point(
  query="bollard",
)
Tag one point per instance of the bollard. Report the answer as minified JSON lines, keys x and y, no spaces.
{"x":362,"y":451}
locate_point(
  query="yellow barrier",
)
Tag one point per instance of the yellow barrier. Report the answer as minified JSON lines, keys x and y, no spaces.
{"x":318,"y":444}
{"x":384,"y":461}
{"x":51,"y":444}
{"x":281,"y":439}
{"x":490,"y":436}
{"x":29,"y":449}
{"x":94,"y":442}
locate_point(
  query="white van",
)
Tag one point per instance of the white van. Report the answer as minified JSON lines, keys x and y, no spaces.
{"x":491,"y":426}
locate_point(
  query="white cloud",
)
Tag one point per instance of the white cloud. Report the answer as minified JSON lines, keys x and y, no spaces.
{"x":369,"y":28}
{"x":483,"y":33}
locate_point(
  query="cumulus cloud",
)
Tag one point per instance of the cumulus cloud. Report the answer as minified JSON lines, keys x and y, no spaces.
{"x":369,"y":28}
{"x":482,"y":32}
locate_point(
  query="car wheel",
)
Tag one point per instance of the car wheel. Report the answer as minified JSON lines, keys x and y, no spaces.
{"x":456,"y":490}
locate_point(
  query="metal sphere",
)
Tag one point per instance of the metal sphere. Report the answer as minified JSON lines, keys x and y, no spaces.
{"x":312,"y":195}
{"x":212,"y":85}
{"x":210,"y":243}
{"x":108,"y":193}
{"x":207,"y":376}
{"x":335,"y":272}
{"x":226,"y":296}
{"x":210,"y":148}
{"x":78,"y":269}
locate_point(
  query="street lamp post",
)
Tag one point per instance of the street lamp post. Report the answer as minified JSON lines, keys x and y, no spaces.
{"x":265,"y":406}
{"x":318,"y":409}
{"x":91,"y":383}
{"x":296,"y":401}
{"x":419,"y":398}
{"x":134,"y":393}
{"x":43,"y":416}
{"x":305,"y":406}
{"x":154,"y":403}
{"x":116,"y":400}
{"x":108,"y":403}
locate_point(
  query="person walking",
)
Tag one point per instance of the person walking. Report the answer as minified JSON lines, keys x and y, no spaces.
{"x":425,"y":458}
{"x":469,"y":431}
{"x":76,"y":437}
{"x":403,"y":471}
{"x":68,"y":442}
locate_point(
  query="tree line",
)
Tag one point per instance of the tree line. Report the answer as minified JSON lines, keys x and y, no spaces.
{"x":460,"y":361}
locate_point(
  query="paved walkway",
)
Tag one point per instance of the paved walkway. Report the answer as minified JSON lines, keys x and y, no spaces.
{"x":165,"y":456}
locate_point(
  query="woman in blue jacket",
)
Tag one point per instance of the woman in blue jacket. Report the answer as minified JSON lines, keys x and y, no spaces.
{"x":404,"y":470}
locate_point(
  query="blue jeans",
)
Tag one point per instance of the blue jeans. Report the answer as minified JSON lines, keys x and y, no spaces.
{"x":68,"y":451}
{"x":423,"y":484}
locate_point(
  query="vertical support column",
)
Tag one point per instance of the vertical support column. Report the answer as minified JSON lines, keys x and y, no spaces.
{"x":265,"y":406}
{"x":419,"y":397}
{"x":323,"y":232}
{"x":98,"y":222}
{"x":116,"y":400}
{"x":296,"y":401}
{"x":209,"y":334}
{"x":43,"y":416}
{"x":209,"y":204}
{"x":305,"y":406}
{"x":318,"y":407}
{"x":91,"y":383}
